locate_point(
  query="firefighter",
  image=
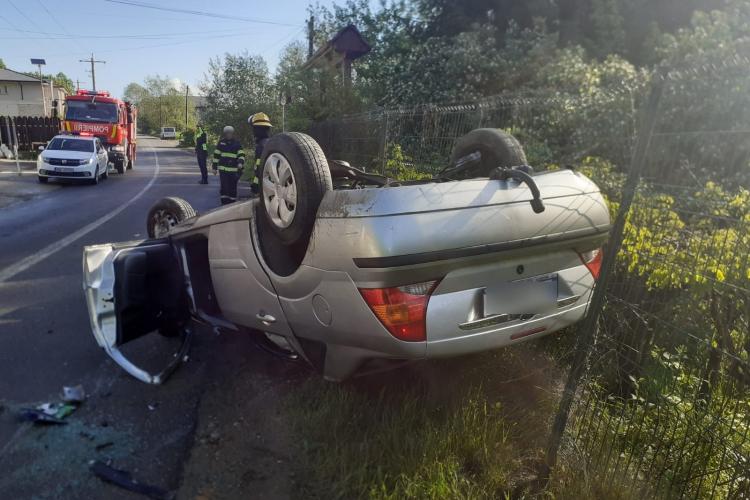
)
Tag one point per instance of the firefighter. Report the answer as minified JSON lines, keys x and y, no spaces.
{"x":261,"y":131}
{"x":201,"y":153}
{"x":229,"y":160}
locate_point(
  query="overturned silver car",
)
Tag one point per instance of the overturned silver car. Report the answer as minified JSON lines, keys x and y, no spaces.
{"x":350,"y":270}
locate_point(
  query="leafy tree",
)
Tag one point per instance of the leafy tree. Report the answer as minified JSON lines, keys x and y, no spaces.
{"x":607,"y":27}
{"x":236,"y":86}
{"x":60,"y":79}
{"x":2,"y":64}
{"x":64,"y":81}
{"x":160,"y":103}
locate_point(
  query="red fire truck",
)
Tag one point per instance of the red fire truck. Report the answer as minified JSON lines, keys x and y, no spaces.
{"x":109,"y":118}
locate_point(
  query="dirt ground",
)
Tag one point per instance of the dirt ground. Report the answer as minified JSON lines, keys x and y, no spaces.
{"x":243,"y":447}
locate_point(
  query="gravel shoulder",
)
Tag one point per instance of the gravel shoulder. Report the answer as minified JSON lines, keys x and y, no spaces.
{"x":15,"y":188}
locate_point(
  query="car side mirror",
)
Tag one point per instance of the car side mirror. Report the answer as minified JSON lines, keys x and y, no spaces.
{"x":41,"y":148}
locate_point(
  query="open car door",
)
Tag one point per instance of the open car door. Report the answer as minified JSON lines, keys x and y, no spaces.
{"x":132,"y":290}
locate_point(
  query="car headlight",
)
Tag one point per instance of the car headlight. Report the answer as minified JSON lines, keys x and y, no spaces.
{"x":90,"y":161}
{"x":118,"y":148}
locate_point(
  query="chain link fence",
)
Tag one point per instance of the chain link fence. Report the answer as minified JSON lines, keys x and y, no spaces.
{"x":418,"y":141}
{"x":663,"y":406}
{"x":657,"y":403}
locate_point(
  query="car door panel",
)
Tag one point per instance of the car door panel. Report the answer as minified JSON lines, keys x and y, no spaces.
{"x":244,"y":292}
{"x":133,"y":290}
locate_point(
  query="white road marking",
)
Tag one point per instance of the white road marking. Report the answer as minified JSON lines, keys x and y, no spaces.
{"x":24,"y":264}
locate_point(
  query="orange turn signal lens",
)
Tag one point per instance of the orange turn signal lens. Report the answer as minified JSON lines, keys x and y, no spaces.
{"x":403,"y":309}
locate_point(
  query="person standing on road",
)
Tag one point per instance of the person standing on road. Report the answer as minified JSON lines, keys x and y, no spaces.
{"x":262,"y":132}
{"x":201,"y":153}
{"x":229,"y":160}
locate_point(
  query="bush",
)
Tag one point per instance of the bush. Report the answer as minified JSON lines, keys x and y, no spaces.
{"x":187,"y":138}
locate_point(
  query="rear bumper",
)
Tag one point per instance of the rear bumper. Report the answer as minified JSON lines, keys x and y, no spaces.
{"x":506,"y":335}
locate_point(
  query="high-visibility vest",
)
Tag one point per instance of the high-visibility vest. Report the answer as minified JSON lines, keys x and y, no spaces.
{"x":200,"y":140}
{"x":229,"y":155}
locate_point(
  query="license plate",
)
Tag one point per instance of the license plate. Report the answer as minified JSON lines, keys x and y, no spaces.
{"x":529,"y":296}
{"x":63,"y":169}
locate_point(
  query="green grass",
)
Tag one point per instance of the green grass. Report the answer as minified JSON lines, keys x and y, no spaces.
{"x":469,"y":428}
{"x":466,"y":428}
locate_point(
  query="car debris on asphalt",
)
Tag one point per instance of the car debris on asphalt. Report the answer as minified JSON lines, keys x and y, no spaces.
{"x":75,"y":394}
{"x":55,"y":413}
{"x":125,"y":480}
{"x":47,"y":413}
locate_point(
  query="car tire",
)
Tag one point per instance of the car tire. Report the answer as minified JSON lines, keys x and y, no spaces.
{"x":43,"y":180}
{"x":293,"y":160}
{"x":95,"y":180}
{"x":120,"y":166}
{"x":167,"y":213}
{"x":498,"y":149}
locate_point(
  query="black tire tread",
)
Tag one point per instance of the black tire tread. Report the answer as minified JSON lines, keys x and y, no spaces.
{"x":505,"y":150}
{"x":180,"y":207}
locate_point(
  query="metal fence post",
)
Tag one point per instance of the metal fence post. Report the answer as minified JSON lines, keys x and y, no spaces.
{"x":385,"y":142}
{"x":15,"y":145}
{"x":589,"y":325}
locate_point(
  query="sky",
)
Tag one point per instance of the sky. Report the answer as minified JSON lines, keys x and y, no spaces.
{"x":137,"y":41}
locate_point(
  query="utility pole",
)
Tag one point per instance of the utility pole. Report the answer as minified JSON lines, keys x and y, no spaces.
{"x":310,"y":36}
{"x":92,"y":61}
{"x":187,"y":92}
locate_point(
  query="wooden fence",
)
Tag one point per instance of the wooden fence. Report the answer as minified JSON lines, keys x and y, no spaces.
{"x":30,"y":130}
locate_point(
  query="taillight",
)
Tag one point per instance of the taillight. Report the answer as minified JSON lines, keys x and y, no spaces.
{"x":593,"y":261}
{"x":402,"y":309}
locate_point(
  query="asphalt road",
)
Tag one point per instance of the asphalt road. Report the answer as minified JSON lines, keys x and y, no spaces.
{"x":45,"y":341}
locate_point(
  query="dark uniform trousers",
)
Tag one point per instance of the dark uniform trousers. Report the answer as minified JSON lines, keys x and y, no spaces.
{"x":260,"y":143}
{"x":229,"y":159}
{"x":201,"y":154}
{"x":202,"y":157}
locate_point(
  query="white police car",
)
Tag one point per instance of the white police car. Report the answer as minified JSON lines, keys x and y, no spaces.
{"x":73,"y":156}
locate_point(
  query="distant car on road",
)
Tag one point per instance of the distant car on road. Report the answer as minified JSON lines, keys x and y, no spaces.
{"x":73,"y":156}
{"x":168,"y":133}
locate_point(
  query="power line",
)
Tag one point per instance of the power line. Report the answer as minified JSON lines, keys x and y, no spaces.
{"x":200,"y":13}
{"x":31,"y":22}
{"x":145,"y":36}
{"x":54,"y":19}
{"x":168,"y":44}
{"x":281,"y":40}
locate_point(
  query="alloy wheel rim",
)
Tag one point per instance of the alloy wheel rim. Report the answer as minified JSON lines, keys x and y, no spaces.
{"x":279,"y":190}
{"x":164,"y":222}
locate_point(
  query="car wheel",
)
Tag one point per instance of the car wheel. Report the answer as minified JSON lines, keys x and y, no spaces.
{"x":120,"y":166}
{"x":105,"y":174}
{"x":42,"y":180}
{"x":165,"y":214}
{"x":294,"y":177}
{"x":498,"y":149}
{"x":95,"y":179}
